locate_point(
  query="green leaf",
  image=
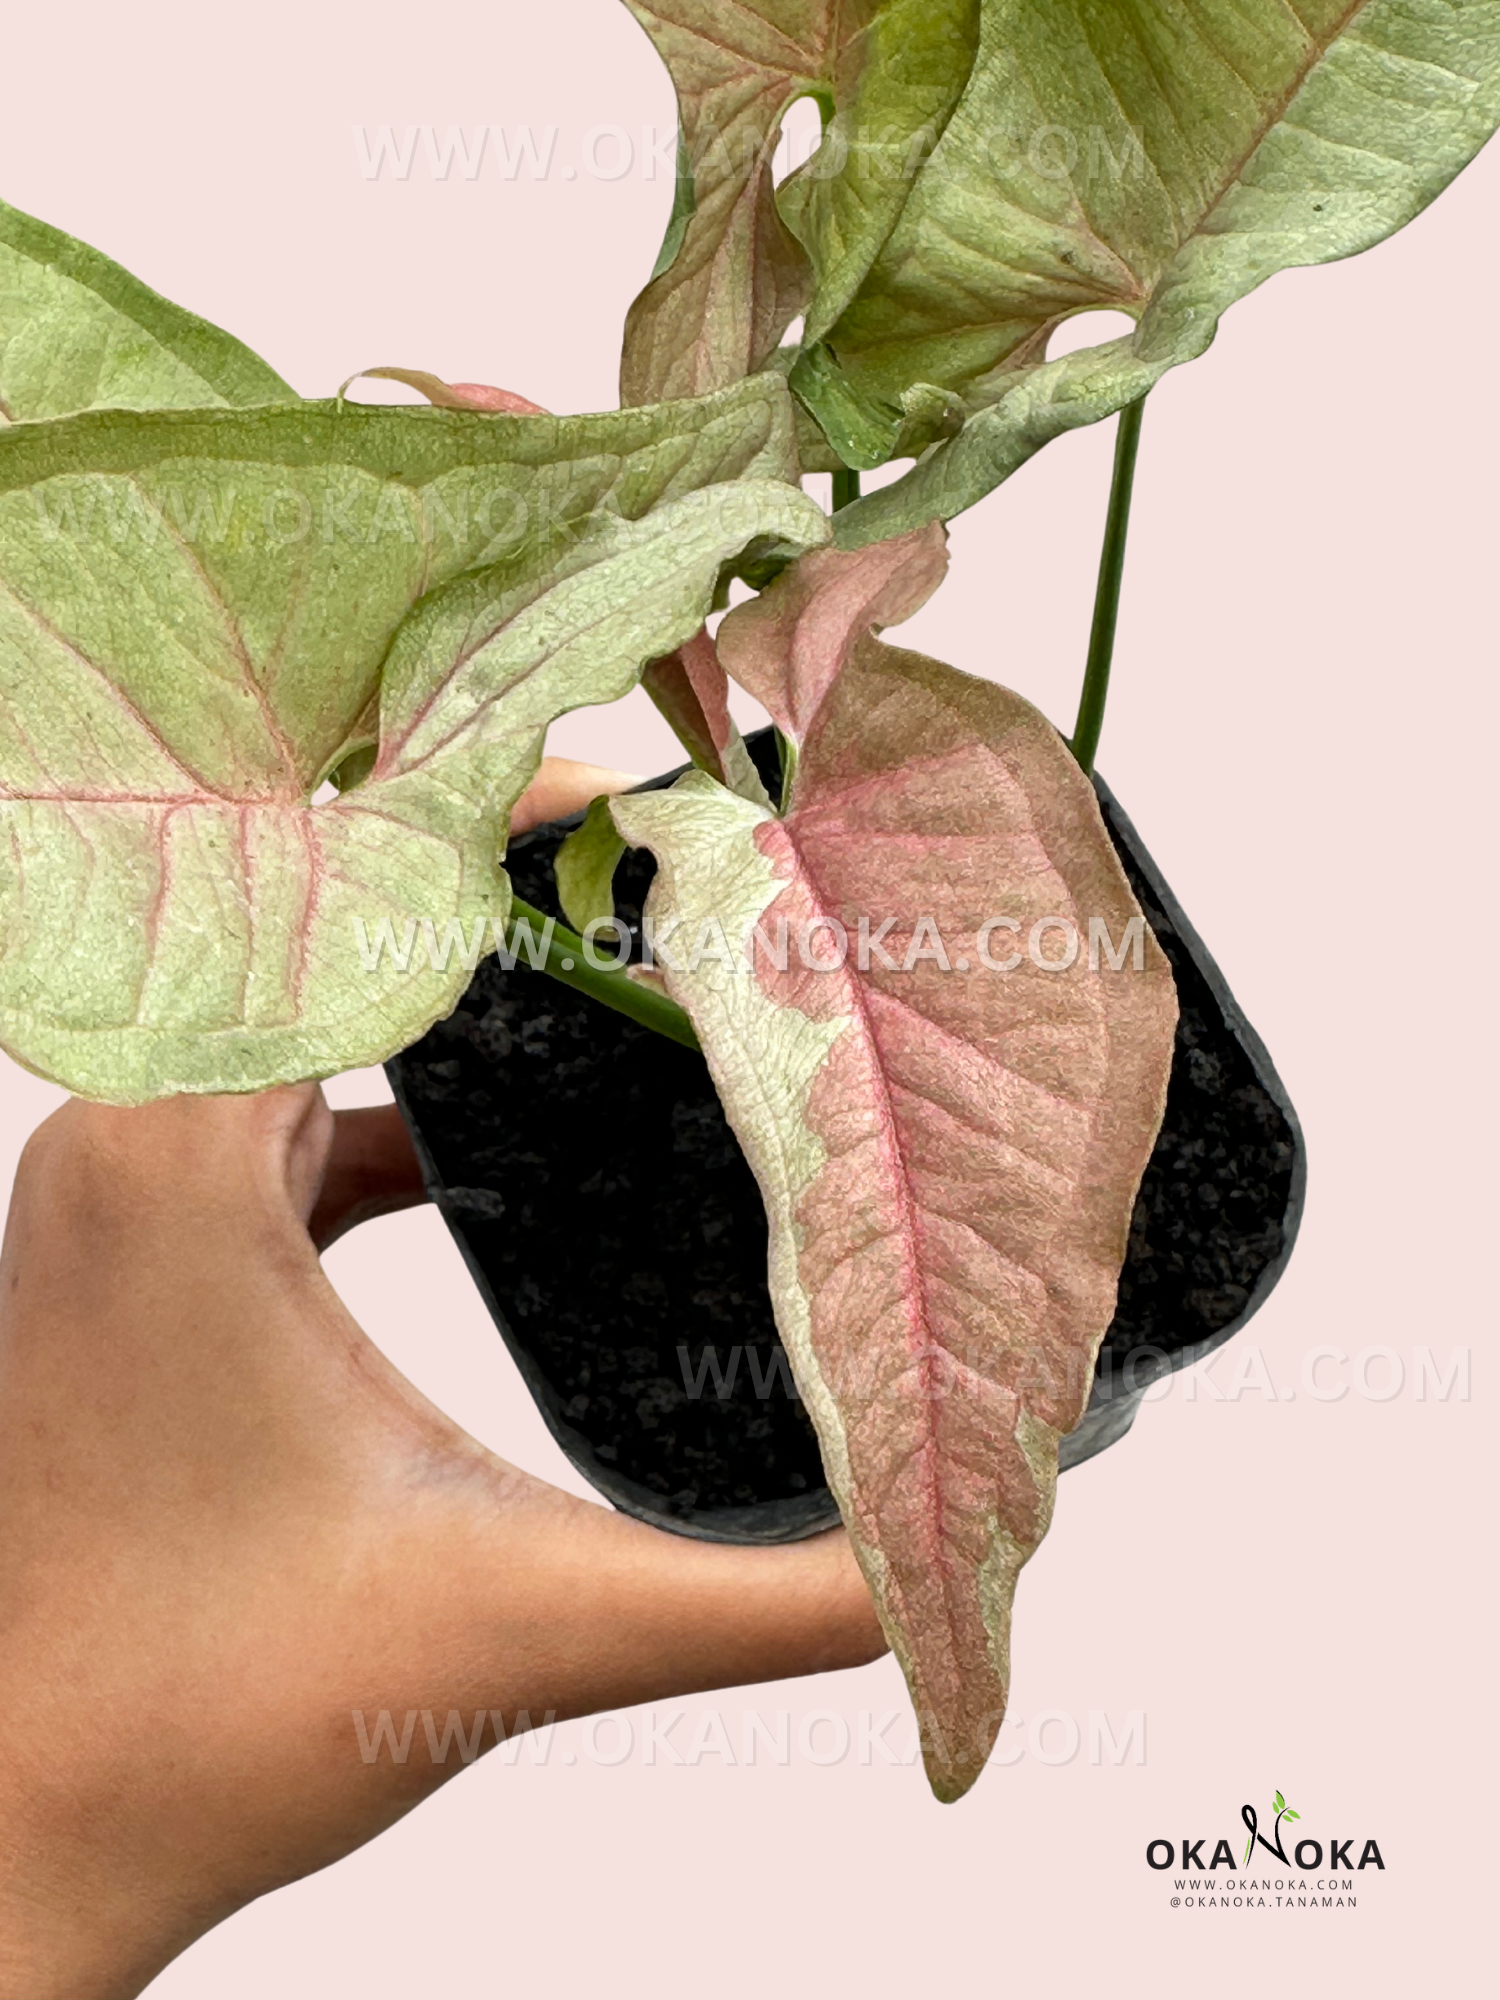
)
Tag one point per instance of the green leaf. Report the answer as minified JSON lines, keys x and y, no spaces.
{"x":734,"y":268}
{"x":585,"y":868}
{"x":1280,"y":1802}
{"x":1287,"y":1813}
{"x":684,"y":202}
{"x":859,"y":435}
{"x":202,"y":614}
{"x":898,"y":71}
{"x":863,"y":432}
{"x":1159,"y":161}
{"x":79,"y":333}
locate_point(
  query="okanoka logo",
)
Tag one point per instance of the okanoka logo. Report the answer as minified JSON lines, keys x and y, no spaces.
{"x":1281,"y":1838}
{"x":1273,"y":1845}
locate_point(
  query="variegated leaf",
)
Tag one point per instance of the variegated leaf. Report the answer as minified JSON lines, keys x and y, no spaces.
{"x":734,"y":271}
{"x":948,"y":1151}
{"x":1160,"y":161}
{"x":202,"y":615}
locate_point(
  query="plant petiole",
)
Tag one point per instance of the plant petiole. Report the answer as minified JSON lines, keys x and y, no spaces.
{"x":1085,"y":741}
{"x":845,"y":488}
{"x":564,"y":959}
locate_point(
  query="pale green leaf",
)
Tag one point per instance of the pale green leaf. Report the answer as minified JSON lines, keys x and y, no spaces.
{"x":79,"y":333}
{"x":899,"y":70}
{"x":1158,"y":161}
{"x":202,"y":615}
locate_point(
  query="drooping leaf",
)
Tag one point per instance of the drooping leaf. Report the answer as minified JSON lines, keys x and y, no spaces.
{"x":453,"y":395}
{"x":734,"y":271}
{"x":949,"y":1153}
{"x":79,"y":333}
{"x":585,"y":868}
{"x":691,"y":690}
{"x":203,"y":614}
{"x":1160,"y":161}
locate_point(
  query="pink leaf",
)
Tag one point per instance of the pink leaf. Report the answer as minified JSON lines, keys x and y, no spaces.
{"x":787,"y":646}
{"x":453,"y":395}
{"x":692,"y":691}
{"x":478,"y":396}
{"x":949,"y":1151}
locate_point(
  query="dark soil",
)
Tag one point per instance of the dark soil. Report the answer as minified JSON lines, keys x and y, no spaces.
{"x":609,"y":1218}
{"x":1221,"y":1199}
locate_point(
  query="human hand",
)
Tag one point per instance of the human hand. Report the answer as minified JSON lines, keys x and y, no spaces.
{"x":227,"y":1523}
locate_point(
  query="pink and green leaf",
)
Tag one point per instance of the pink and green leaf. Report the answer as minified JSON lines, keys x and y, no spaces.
{"x":453,"y":395}
{"x":203,"y":615}
{"x":736,"y":268}
{"x":948,"y":1157}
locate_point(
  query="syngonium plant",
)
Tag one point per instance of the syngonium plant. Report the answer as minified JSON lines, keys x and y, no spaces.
{"x":269,"y":667}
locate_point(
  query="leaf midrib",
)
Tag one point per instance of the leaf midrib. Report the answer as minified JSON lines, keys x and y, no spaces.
{"x":1275,"y":117}
{"x":917,"y":1318}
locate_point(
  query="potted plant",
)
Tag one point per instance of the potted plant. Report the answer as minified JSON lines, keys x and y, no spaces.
{"x":273,"y":674}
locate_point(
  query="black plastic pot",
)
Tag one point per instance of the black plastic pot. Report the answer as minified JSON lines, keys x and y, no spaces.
{"x":608,"y":1217}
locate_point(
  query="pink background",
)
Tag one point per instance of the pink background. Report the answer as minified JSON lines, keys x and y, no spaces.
{"x":1295,"y":1593}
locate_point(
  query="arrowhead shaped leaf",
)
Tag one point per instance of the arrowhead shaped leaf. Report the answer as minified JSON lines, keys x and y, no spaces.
{"x":734,"y":271}
{"x":202,"y":615}
{"x":1160,"y":161}
{"x":78,"y":333}
{"x":948,"y":1158}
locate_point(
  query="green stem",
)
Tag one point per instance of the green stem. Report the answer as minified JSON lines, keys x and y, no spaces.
{"x":614,"y":988}
{"x":1107,"y":593}
{"x":845,"y":488}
